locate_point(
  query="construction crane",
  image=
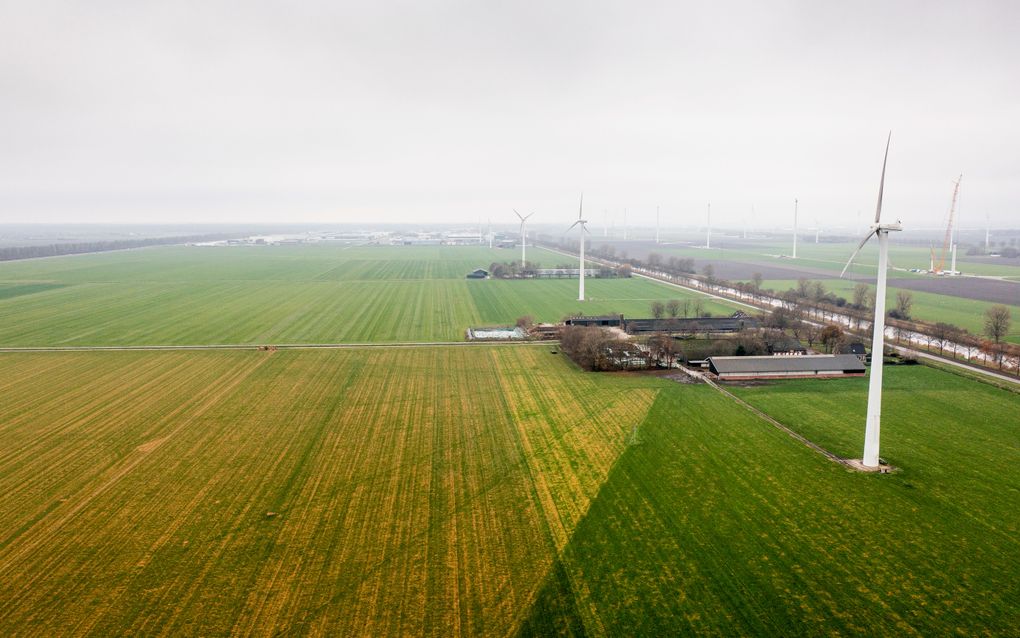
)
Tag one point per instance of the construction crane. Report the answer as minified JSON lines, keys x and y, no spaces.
{"x":940,"y":266}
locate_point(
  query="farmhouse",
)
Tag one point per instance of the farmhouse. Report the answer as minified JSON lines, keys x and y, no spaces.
{"x":478,"y":273}
{"x":813,"y":365}
{"x":857,"y":349}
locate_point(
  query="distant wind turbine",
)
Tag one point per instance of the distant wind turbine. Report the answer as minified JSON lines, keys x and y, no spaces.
{"x":656,"y":224}
{"x":795,"y":203}
{"x":873,"y":425}
{"x":524,"y":242}
{"x":583,"y":223}
{"x":708,"y":236}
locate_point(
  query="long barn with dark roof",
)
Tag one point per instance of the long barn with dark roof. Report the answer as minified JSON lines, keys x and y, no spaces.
{"x":812,"y":365}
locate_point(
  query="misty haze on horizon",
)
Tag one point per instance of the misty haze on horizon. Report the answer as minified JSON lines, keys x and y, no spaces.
{"x":400,"y":112}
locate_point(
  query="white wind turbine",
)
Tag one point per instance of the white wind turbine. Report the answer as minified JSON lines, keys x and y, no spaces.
{"x":872,"y":428}
{"x":584,"y":229}
{"x":524,"y":242}
{"x":795,"y":204}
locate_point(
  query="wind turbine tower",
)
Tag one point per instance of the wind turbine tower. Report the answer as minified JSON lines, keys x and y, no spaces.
{"x":524,"y":238}
{"x":583,"y":223}
{"x":795,"y":228}
{"x":708,"y":236}
{"x":952,"y":268}
{"x":874,"y":418}
{"x":988,"y":230}
{"x":656,"y":224}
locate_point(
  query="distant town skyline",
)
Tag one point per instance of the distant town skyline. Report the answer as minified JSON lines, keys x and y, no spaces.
{"x":458,"y":112}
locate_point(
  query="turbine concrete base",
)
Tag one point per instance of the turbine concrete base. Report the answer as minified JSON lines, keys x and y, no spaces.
{"x":859,"y":466}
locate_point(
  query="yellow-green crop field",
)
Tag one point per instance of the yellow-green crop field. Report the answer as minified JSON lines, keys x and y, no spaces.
{"x":382,"y":492}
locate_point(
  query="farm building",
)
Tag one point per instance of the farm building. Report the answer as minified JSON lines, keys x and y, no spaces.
{"x":813,"y":365}
{"x":546,"y":331}
{"x":691,"y":325}
{"x":785,"y":345}
{"x":478,"y":273}
{"x":857,"y":349}
{"x":610,"y":321}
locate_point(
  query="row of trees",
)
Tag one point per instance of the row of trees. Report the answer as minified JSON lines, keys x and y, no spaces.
{"x":512,"y":269}
{"x":676,"y":307}
{"x":52,"y":250}
{"x":517,"y":269}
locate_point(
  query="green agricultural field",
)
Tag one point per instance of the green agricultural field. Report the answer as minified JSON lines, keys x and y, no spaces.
{"x":832,"y":256}
{"x":719,"y":524}
{"x":931,"y":307}
{"x":494,"y":491}
{"x":290,"y":294}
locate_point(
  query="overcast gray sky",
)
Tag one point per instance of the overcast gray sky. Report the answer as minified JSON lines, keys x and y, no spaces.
{"x":399,"y":111}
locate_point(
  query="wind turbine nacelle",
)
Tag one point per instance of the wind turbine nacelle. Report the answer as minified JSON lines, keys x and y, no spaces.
{"x":887,"y":227}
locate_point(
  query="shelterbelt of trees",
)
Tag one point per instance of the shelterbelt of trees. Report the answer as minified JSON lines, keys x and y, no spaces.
{"x":52,"y":250}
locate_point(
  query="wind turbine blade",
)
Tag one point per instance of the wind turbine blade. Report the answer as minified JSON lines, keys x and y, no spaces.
{"x":519,"y":215}
{"x":528,"y":215}
{"x":859,"y":246}
{"x":580,"y":207}
{"x":881,"y":184}
{"x":584,"y":227}
{"x":571,"y":226}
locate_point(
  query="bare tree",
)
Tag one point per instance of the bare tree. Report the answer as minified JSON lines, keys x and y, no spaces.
{"x":969,"y":343}
{"x":904,"y":302}
{"x":709,"y":272}
{"x":663,"y":349}
{"x":658,"y":309}
{"x":944,"y":333}
{"x":756,"y":279}
{"x":686,"y":308}
{"x":803,"y":288}
{"x":997,"y":320}
{"x":861,"y":295}
{"x":699,"y":308}
{"x":811,"y":333}
{"x":673,"y":308}
{"x":817,"y":291}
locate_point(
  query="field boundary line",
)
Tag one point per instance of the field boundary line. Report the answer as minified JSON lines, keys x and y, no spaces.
{"x":783,"y":428}
{"x":286,"y":346}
